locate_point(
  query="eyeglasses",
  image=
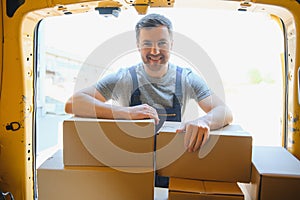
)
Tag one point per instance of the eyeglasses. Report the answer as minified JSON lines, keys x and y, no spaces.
{"x":163,"y":44}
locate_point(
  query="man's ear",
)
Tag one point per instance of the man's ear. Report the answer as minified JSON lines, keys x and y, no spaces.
{"x":138,"y":46}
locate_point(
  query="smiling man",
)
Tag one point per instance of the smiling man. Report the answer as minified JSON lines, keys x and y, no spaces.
{"x":154,"y":88}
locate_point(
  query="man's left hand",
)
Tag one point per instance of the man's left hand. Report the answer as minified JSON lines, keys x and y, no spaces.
{"x":196,"y":134}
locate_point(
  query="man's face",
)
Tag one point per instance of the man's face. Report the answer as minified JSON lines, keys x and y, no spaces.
{"x":154,"y":45}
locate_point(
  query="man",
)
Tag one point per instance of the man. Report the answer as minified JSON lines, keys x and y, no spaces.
{"x":154,"y":88}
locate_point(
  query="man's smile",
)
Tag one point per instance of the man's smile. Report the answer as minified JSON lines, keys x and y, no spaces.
{"x":154,"y":57}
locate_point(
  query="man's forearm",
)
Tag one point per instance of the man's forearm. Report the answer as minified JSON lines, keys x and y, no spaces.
{"x":86,"y":106}
{"x":217,"y":117}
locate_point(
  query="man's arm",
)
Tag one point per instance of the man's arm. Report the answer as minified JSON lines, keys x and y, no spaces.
{"x":197,"y":131}
{"x":217,"y":112}
{"x":89,"y":102}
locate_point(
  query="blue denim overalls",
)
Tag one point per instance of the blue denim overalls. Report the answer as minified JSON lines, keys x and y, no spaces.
{"x":167,"y":114}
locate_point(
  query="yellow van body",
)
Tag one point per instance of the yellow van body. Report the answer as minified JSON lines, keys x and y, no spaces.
{"x":18,"y":21}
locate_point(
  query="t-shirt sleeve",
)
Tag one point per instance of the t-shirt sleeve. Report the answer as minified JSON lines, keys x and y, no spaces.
{"x":108,"y":85}
{"x":198,"y":88}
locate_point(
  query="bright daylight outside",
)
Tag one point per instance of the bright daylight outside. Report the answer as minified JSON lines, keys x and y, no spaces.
{"x":244,"y":50}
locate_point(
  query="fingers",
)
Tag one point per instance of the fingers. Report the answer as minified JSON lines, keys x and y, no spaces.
{"x":192,"y":131}
{"x":205,"y":137}
{"x":195,"y":137}
{"x":150,"y":112}
{"x":187,"y":139}
{"x":198,"y":143}
{"x":202,"y":137}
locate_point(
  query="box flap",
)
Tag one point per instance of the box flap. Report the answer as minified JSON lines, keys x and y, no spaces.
{"x":214,"y":187}
{"x":186,"y":185}
{"x":204,"y":187}
{"x":85,"y":119}
{"x":275,"y":161}
{"x":232,"y":127}
{"x":170,"y":127}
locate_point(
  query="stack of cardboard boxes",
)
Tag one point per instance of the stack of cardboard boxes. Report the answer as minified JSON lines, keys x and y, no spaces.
{"x":101,"y":159}
{"x":211,"y":173}
{"x":262,"y":172}
{"x":116,"y":160}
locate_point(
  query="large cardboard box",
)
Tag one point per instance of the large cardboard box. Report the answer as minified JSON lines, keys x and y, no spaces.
{"x":188,"y":189}
{"x":55,"y":181}
{"x":275,"y":174}
{"x":225,"y":157}
{"x":100,"y":142}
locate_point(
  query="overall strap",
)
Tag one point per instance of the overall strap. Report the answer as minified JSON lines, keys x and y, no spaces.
{"x":134,"y":77}
{"x":135,"y":96}
{"x":178,"y":85}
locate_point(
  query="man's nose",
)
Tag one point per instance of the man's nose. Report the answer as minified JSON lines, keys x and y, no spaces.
{"x":155,"y":49}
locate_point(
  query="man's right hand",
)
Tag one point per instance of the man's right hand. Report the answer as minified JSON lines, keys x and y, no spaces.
{"x":143,"y":111}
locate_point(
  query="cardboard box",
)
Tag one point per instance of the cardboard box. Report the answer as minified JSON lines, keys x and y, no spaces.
{"x":275,"y":174}
{"x":100,"y":142}
{"x":187,"y":189}
{"x":102,"y":183}
{"x":225,"y":157}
